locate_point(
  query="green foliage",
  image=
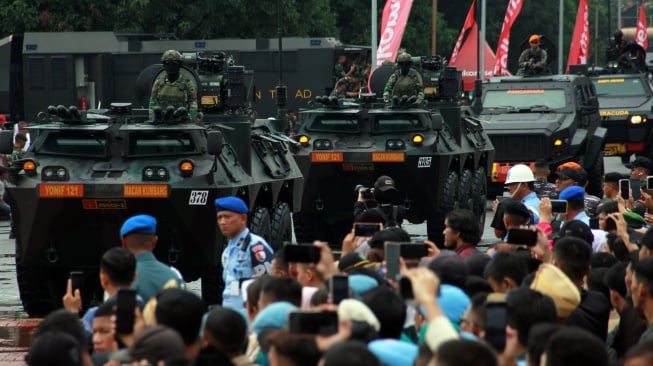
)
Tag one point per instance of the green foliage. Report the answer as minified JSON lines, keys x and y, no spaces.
{"x":345,"y":19}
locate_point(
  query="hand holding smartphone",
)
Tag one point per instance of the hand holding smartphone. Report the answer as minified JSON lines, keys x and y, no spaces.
{"x":125,"y":306}
{"x":313,"y":322}
{"x":392,"y":254}
{"x":339,"y":288}
{"x":495,"y":321}
{"x":76,"y":280}
{"x":526,"y":237}
{"x":366,"y":229}
{"x":302,"y":253}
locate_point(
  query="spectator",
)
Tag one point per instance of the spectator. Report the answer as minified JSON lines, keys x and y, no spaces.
{"x":571,"y":346}
{"x":350,"y":353}
{"x":308,"y":276}
{"x":461,"y":352}
{"x":182,"y":311}
{"x":377,"y":242}
{"x":506,"y":271}
{"x":611,"y":185}
{"x":641,"y":354}
{"x":538,"y":338}
{"x":449,"y":268}
{"x":642,"y":291}
{"x":279,"y":266}
{"x":157,"y":345}
{"x":103,"y":338}
{"x":461,"y":232}
{"x":509,"y":214}
{"x":60,"y":321}
{"x":646,"y":249}
{"x":385,"y":193}
{"x":473,"y":320}
{"x":20,"y":141}
{"x":389,"y":309}
{"x":520,"y":181}
{"x":138,"y":235}
{"x":575,"y":197}
{"x":55,"y":348}
{"x":640,"y":168}
{"x":226,"y":331}
{"x":288,"y":349}
{"x":280,"y":289}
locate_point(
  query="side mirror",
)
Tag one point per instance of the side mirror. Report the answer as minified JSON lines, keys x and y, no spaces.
{"x":214,"y":142}
{"x":6,"y":142}
{"x":436,"y":122}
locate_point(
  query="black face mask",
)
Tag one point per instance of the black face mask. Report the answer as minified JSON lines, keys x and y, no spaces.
{"x":404,"y":68}
{"x":172,"y":70}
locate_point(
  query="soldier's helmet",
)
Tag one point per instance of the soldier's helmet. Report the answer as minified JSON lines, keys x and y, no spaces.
{"x":403,"y":58}
{"x":171,"y":55}
{"x":618,"y":34}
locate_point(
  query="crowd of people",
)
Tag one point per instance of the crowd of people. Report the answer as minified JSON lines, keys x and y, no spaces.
{"x":575,"y":288}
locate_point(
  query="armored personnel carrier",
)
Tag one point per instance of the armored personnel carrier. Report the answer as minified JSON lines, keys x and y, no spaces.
{"x":86,"y":172}
{"x":438,"y":156}
{"x":551,"y":117}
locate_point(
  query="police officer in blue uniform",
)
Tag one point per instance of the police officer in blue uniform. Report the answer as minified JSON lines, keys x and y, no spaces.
{"x":247,"y":255}
{"x":138,"y":235}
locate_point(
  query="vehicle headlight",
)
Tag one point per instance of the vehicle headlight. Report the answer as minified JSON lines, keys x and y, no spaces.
{"x":637,"y":119}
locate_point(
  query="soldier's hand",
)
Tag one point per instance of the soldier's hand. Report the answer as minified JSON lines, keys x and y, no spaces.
{"x":72,"y":301}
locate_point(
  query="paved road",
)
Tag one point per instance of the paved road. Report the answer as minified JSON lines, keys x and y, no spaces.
{"x":15,"y":326}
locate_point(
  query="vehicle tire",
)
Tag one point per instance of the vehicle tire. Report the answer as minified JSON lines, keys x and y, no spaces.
{"x":260,"y":221}
{"x":34,"y":288}
{"x":465,"y":192}
{"x":281,"y":225}
{"x":595,"y":177}
{"x":435,"y":223}
{"x":479,"y":196}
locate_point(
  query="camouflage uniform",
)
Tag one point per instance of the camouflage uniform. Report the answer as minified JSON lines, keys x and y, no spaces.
{"x":545,"y":189}
{"x":399,"y":85}
{"x":179,"y":93}
{"x":592,"y":205}
{"x":539,"y":58}
{"x":348,"y":81}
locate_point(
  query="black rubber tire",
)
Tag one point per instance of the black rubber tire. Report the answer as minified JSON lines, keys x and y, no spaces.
{"x":465,"y":193}
{"x":595,"y":176}
{"x":435,"y":223}
{"x":479,"y":196}
{"x":281,"y":225}
{"x":260,"y":222}
{"x":33,"y":287}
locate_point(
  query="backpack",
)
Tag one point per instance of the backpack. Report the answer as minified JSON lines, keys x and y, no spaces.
{"x":392,"y":222}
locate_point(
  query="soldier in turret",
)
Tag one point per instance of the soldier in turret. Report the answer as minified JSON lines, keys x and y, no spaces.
{"x":174,"y":89}
{"x":533,"y":60}
{"x":404,"y":81}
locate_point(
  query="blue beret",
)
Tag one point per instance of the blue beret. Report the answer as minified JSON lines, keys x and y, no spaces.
{"x":231,"y":203}
{"x":359,"y":284}
{"x":393,"y":352}
{"x":573,"y":193}
{"x":142,"y":224}
{"x":273,"y":316}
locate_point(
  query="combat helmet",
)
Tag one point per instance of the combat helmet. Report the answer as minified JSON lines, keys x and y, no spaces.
{"x":520,"y":173}
{"x":403,"y":57}
{"x":171,"y":55}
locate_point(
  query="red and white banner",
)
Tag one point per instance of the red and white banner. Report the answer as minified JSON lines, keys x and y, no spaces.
{"x":641,"y":36}
{"x":580,"y":42}
{"x":514,"y":7}
{"x":469,"y":23}
{"x":395,"y":16}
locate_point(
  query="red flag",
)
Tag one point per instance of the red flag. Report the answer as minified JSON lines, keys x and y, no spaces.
{"x":393,"y":22}
{"x":467,"y":60}
{"x":469,"y":22}
{"x":580,"y":42}
{"x":514,"y":7}
{"x":641,"y":36}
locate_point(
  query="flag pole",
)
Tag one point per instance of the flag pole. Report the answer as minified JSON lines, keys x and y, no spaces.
{"x":434,"y":28}
{"x":560,"y":19}
{"x":374,"y":35}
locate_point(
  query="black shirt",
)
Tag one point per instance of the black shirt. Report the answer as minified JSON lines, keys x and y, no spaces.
{"x":364,"y":214}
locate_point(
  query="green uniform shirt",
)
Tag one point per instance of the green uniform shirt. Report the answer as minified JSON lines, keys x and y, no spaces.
{"x":179,"y":93}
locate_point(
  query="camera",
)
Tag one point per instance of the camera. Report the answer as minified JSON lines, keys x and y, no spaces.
{"x":366,"y":192}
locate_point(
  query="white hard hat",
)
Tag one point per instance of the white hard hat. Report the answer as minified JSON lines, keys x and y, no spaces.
{"x":520,"y":173}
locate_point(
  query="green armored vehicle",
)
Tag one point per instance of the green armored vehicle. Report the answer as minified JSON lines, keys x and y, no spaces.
{"x":551,"y":117}
{"x":86,"y":172}
{"x":439,"y":159}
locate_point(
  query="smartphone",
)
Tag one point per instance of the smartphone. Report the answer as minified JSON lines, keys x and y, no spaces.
{"x":649,"y":182}
{"x":125,"y":305}
{"x":413,"y":250}
{"x":339,"y":288}
{"x":366,"y":228}
{"x":624,"y":187}
{"x":303,"y":253}
{"x":635,"y":186}
{"x":559,"y":206}
{"x":392,"y":254}
{"x":406,"y":289}
{"x":76,"y":280}
{"x":522,"y":237}
{"x":313,"y":322}
{"x":495,"y":324}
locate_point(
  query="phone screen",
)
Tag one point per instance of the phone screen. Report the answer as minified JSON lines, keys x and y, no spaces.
{"x":559,"y":206}
{"x":522,"y":237}
{"x":635,"y":186}
{"x":366,"y":228}
{"x":624,"y":186}
{"x":495,"y":325}
{"x":125,"y":305}
{"x":339,"y":288}
{"x":406,"y":289}
{"x":313,"y":322}
{"x":392,"y":254}
{"x":302,"y":253}
{"x":649,"y":182}
{"x":413,"y":250}
{"x":76,"y":279}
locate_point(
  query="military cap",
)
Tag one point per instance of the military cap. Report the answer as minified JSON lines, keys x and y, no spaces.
{"x":171,"y":55}
{"x":535,"y":38}
{"x":140,"y":224}
{"x":231,"y":203}
{"x":573,"y":193}
{"x":514,"y":207}
{"x":403,"y":57}
{"x":633,"y":219}
{"x":577,"y":229}
{"x":641,"y":162}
